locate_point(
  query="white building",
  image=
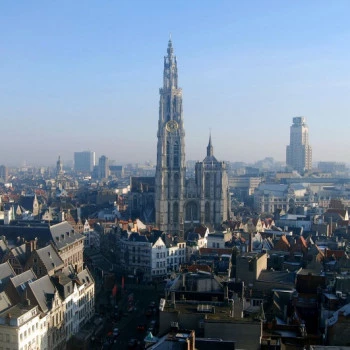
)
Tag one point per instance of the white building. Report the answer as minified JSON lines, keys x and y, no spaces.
{"x":86,"y":297}
{"x":23,"y":327}
{"x":151,"y":257}
{"x":92,"y":238}
{"x":218,"y":239}
{"x":159,"y":258}
{"x":176,"y":255}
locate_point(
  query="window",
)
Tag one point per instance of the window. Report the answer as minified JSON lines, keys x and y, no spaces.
{"x":207,"y":212}
{"x":207,"y":186}
{"x":168,"y":154}
{"x":175,"y":212}
{"x":191,"y":211}
{"x":176,"y":186}
{"x":176,"y":155}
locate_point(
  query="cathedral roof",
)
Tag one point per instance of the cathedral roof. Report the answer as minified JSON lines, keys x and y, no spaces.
{"x":210,"y":160}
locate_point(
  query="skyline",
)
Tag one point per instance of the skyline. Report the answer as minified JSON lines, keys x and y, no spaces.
{"x":87,"y":76}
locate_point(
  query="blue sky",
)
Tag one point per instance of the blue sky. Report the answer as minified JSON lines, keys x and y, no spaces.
{"x":79,"y":75}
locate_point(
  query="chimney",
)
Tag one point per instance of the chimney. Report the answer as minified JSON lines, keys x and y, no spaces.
{"x":29,"y":248}
{"x":226,"y":293}
{"x":250,"y":246}
{"x":192,"y":343}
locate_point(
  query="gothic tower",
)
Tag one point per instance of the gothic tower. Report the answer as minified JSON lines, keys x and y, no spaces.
{"x":212,"y":182}
{"x":170,"y":170}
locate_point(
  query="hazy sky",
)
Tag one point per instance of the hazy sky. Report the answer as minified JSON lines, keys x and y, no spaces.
{"x":79,"y":75}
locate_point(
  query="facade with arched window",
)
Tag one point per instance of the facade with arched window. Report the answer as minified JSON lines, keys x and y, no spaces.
{"x":182,"y":203}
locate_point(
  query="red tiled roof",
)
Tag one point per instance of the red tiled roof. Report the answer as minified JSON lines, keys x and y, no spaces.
{"x":282,"y":244}
{"x":201,"y":230}
{"x":219,"y":251}
{"x":336,"y":253}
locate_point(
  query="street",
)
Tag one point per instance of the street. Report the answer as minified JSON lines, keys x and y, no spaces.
{"x":135,"y":316}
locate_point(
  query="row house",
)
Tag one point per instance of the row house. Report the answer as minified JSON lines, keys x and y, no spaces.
{"x":69,"y":244}
{"x":218,"y":239}
{"x":50,"y":310}
{"x":176,"y":255}
{"x":22,"y":326}
{"x":135,"y":256}
{"x":151,"y":256}
{"x":92,"y":238}
{"x":159,"y":258}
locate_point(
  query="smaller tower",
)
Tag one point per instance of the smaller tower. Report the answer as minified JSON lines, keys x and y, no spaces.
{"x":59,"y":167}
{"x":210,"y":150}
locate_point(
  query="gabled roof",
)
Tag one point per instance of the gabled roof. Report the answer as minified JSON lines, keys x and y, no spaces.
{"x":3,"y":247}
{"x":5,"y":302}
{"x":6,"y":272}
{"x":22,"y":281}
{"x":282,"y":244}
{"x":136,"y":237}
{"x":27,"y":202}
{"x":43,"y":291}
{"x":20,"y":253}
{"x":49,"y":257}
{"x":300,"y":245}
{"x":63,"y":235}
{"x":202,"y":230}
{"x":85,"y":277}
{"x":24,"y":277}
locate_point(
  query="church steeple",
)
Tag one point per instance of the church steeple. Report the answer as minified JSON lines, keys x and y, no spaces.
{"x":171,"y":163}
{"x":210,"y":150}
{"x":170,"y":49}
{"x":170,"y":69}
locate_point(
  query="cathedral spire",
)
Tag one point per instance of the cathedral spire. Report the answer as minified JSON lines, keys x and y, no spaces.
{"x":210,"y":150}
{"x":170,"y":49}
{"x":170,"y":68}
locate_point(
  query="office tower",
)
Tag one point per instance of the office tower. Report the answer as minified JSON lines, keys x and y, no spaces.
{"x":299,"y":152}
{"x":3,"y":173}
{"x":180,"y":203}
{"x":103,"y":167}
{"x":84,"y":161}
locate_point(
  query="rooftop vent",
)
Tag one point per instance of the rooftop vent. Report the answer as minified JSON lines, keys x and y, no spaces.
{"x":205,"y":308}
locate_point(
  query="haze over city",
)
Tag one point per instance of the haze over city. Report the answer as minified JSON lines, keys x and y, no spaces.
{"x":86,"y":75}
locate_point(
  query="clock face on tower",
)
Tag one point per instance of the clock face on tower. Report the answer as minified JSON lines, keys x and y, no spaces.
{"x":172,"y":126}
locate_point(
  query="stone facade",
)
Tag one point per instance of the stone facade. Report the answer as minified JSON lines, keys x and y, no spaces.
{"x":181,"y":203}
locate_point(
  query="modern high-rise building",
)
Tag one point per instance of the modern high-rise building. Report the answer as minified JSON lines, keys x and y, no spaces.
{"x":299,"y":152}
{"x":3,"y":173}
{"x":181,"y":203}
{"x":84,"y":161}
{"x":103,"y":167}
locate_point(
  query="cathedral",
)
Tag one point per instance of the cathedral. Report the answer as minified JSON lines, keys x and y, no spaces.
{"x":175,"y":202}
